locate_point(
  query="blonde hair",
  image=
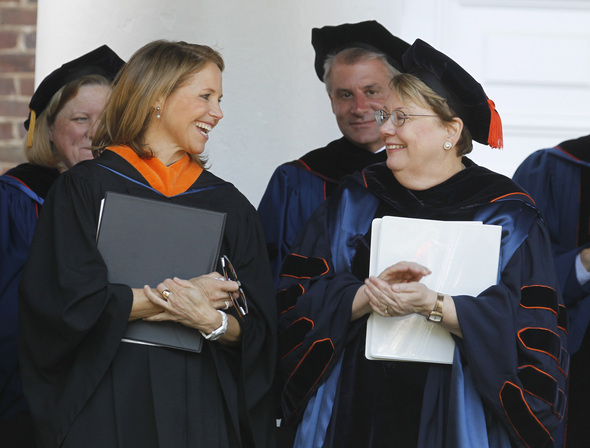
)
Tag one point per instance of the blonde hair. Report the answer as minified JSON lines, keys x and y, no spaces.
{"x":155,"y":71}
{"x":410,"y":88}
{"x":41,"y":152}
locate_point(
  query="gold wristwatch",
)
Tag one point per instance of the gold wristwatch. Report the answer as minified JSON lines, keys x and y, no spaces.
{"x":436,"y":315}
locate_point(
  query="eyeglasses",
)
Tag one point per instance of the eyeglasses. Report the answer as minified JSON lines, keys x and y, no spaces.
{"x":240,"y":303}
{"x":398,"y":118}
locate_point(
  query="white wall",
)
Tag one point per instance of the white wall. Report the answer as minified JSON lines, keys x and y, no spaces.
{"x":275,"y":107}
{"x":533,"y":59}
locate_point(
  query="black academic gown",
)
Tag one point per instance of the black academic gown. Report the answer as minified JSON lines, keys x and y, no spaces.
{"x":87,"y":388}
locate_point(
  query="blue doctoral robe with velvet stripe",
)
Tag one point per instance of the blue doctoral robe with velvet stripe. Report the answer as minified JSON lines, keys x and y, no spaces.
{"x":22,"y":192}
{"x":297,"y":188}
{"x":553,"y":177}
{"x":558,"y":179}
{"x":510,"y":370}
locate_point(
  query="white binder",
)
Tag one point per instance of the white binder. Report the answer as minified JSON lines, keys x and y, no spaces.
{"x":464,"y":260}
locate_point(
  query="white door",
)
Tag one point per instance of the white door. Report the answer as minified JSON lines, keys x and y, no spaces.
{"x":532,"y":58}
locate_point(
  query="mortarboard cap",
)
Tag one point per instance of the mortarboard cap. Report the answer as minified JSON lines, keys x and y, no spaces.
{"x":463,"y":93}
{"x":102,"y":61}
{"x":371,"y":35}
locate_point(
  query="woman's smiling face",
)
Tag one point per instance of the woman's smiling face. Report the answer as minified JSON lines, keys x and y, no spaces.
{"x":190,"y":113}
{"x":417,"y":145}
{"x":73,"y":128}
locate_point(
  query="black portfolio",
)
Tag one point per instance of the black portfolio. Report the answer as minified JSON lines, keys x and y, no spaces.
{"x":144,"y":241}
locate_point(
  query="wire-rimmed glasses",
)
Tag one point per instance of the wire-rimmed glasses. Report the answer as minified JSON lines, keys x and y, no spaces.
{"x":398,"y":118}
{"x":238,"y":298}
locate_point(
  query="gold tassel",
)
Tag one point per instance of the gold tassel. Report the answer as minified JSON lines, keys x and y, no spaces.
{"x":31,"y":129}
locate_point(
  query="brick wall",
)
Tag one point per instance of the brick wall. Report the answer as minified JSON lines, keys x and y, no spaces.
{"x":18,"y":25}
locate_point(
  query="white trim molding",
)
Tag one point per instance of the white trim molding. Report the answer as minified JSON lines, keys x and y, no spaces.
{"x":530,"y":4}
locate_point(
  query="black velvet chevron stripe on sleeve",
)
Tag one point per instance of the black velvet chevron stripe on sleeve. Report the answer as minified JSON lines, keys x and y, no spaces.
{"x":528,"y":427}
{"x":287,"y":298}
{"x":299,"y":266}
{"x":293,"y":335}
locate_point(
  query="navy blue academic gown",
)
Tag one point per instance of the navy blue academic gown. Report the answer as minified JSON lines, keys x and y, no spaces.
{"x":297,"y":188}
{"x":558,"y":179}
{"x":510,"y":367}
{"x":22,"y":191}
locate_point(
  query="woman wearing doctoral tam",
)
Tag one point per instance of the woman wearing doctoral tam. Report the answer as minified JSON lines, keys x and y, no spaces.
{"x":506,"y":385}
{"x":60,"y":125}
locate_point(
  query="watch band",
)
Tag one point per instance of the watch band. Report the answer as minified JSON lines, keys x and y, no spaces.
{"x":218,"y":332}
{"x":436,"y":315}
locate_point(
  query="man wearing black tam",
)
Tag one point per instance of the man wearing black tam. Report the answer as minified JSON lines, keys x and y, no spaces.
{"x":504,"y":383}
{"x":63,"y":110}
{"x":356,"y":62}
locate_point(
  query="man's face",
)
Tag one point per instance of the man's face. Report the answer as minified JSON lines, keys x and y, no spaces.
{"x":358,"y":90}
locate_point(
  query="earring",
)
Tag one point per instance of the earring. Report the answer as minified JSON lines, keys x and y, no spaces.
{"x":447,"y":146}
{"x":158,"y":112}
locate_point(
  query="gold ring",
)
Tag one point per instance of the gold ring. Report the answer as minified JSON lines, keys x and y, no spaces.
{"x":166,"y":293}
{"x":386,"y":311}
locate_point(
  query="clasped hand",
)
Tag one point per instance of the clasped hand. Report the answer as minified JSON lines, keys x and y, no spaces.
{"x":397,"y":291}
{"x":193,"y":302}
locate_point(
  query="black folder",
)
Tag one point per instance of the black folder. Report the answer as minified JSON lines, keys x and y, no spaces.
{"x":145,"y":241}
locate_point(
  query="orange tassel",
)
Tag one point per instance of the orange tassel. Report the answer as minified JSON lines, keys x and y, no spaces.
{"x":495,"y":138}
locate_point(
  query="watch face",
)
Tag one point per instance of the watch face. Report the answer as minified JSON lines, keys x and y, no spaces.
{"x":435,"y":317}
